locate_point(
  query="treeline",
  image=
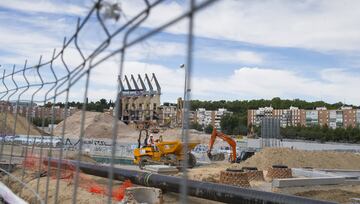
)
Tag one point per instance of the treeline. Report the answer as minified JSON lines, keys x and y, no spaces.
{"x":237,"y":123}
{"x":240,"y":109}
{"x":322,"y":134}
{"x":230,"y":124}
{"x":277,"y":103}
{"x":97,"y":106}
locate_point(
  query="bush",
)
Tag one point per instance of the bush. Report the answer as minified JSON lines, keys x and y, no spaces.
{"x":322,"y":134}
{"x":196,"y":126}
{"x":208,"y":129}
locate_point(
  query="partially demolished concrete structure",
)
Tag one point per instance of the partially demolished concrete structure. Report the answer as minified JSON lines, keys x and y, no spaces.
{"x":140,"y":98}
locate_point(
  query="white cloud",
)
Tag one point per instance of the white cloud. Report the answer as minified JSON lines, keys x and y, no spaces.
{"x":44,"y":6}
{"x":313,"y":24}
{"x":155,"y":49}
{"x":331,"y":85}
{"x":323,"y":25}
{"x":20,"y":43}
{"x":230,"y":55}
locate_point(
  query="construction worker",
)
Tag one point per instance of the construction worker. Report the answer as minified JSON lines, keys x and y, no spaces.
{"x":151,"y":140}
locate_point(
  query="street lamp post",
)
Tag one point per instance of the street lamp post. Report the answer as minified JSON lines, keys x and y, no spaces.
{"x":182,"y":66}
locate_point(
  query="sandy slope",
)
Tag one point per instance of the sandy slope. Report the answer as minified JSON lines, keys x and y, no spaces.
{"x":301,"y":158}
{"x":97,"y":125}
{"x":21,"y":125}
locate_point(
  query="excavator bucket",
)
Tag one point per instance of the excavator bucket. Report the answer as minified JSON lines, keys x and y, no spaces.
{"x":216,"y":157}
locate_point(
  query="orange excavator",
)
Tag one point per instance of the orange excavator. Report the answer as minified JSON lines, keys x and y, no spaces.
{"x":226,"y":138}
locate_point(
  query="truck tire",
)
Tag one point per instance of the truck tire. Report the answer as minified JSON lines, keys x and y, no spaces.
{"x":144,"y":160}
{"x":192,"y":160}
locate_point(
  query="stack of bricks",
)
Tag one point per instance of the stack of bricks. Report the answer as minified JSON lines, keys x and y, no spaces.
{"x":254,"y":175}
{"x":235,"y":178}
{"x":278,"y":173}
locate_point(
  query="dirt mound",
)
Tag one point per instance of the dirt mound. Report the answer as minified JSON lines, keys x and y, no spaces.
{"x":207,"y":173}
{"x":96,"y":125}
{"x":21,"y":125}
{"x":300,"y":158}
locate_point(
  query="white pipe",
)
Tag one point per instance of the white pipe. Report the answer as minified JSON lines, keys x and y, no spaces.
{"x":9,"y":196}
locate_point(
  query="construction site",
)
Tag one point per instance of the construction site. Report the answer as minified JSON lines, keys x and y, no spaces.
{"x":139,"y":149}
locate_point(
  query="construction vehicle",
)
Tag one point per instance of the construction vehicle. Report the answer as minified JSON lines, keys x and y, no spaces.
{"x":226,"y":138}
{"x":233,"y":155}
{"x":162,"y":152}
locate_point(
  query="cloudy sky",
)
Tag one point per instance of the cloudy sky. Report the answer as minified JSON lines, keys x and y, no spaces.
{"x":244,"y":49}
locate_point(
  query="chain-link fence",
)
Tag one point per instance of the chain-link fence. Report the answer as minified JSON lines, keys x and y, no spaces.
{"x":46,"y":156}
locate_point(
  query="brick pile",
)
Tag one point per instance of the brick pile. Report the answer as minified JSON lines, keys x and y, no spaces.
{"x":235,"y":178}
{"x":254,"y":175}
{"x":278,"y":173}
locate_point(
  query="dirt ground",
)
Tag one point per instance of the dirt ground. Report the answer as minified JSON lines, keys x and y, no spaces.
{"x":66,"y":188}
{"x":301,"y":158}
{"x":337,"y":193}
{"x":292,"y":158}
{"x":285,"y":156}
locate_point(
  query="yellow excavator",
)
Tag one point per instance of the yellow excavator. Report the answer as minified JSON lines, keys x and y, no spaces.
{"x":162,"y":152}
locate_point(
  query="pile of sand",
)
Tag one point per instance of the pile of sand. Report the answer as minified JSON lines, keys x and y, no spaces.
{"x":21,"y":125}
{"x":300,"y":158}
{"x":96,"y":125}
{"x":207,"y":173}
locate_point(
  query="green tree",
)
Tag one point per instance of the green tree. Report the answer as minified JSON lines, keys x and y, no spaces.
{"x":322,"y":134}
{"x":208,"y":129}
{"x":232,"y":124}
{"x":196,"y":126}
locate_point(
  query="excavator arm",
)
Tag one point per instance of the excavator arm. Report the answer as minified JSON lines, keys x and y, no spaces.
{"x":224,"y":137}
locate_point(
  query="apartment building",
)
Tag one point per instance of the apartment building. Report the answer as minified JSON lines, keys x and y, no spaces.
{"x":288,"y":117}
{"x":34,"y":111}
{"x":343,"y":117}
{"x":210,"y":117}
{"x":349,"y":117}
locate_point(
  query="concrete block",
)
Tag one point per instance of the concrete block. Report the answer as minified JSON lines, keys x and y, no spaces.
{"x":355,"y":200}
{"x":349,"y":174}
{"x":162,"y":169}
{"x":295,"y":182}
{"x":300,"y":172}
{"x":147,"y":195}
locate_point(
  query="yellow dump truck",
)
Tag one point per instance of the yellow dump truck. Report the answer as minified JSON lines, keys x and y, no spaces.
{"x":163,"y":152}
